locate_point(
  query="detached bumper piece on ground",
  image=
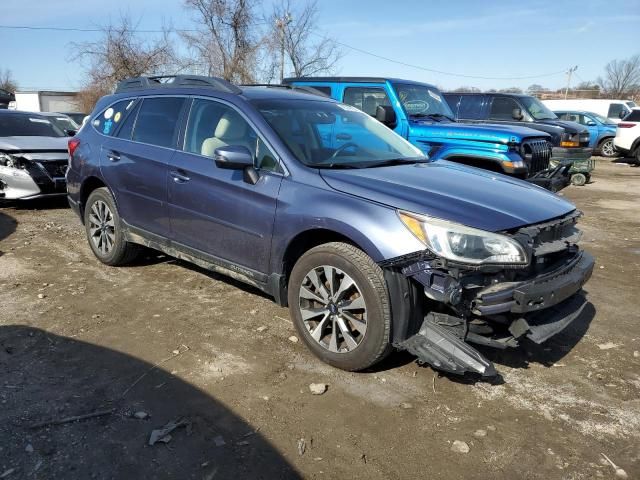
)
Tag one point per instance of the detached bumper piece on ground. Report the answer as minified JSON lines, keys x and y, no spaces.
{"x":496,"y":306}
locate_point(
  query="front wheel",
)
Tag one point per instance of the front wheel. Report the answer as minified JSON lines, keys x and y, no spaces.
{"x":104,"y":230}
{"x":578,"y":179}
{"x":339,"y":304}
{"x":607,"y":149}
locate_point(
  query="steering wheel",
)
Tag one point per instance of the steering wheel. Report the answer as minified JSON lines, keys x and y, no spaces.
{"x":342,"y":148}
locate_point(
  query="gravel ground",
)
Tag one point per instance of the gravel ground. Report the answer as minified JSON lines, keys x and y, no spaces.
{"x":162,"y":343}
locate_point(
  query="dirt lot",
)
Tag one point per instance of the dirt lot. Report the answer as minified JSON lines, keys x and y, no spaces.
{"x":77,"y":337}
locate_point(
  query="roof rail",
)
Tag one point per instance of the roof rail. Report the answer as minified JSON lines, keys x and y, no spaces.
{"x":300,"y":88}
{"x":166,"y":81}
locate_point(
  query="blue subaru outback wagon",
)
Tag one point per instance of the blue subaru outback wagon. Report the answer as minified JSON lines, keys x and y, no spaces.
{"x":369,"y":244}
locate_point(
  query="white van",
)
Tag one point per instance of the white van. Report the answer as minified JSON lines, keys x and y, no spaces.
{"x":612,"y":109}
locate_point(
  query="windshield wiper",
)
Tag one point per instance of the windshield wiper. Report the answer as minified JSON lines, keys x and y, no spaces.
{"x":336,"y":166}
{"x":431,"y":115}
{"x":396,"y":161}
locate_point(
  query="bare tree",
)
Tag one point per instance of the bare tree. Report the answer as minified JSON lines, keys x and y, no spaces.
{"x":467,"y":90}
{"x":226,"y":44}
{"x":621,"y":77}
{"x":294,"y":33}
{"x":6,"y":80}
{"x":536,"y":87}
{"x":510,"y":90}
{"x":120,"y":53}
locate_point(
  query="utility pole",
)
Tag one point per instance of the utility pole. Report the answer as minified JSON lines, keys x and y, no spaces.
{"x":569,"y":73}
{"x":281,"y":24}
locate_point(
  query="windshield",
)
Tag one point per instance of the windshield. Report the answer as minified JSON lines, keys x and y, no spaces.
{"x":63,"y":123}
{"x":17,"y":125}
{"x":536,"y":109}
{"x":335,"y":135}
{"x":422,"y":101}
{"x":631,"y":104}
{"x":601,"y":119}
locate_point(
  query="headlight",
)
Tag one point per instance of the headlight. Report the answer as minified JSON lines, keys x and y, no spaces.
{"x":463,"y":244}
{"x":7,"y":160}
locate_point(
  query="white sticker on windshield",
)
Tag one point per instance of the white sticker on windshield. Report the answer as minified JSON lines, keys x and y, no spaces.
{"x":349,"y":108}
{"x":38,"y":120}
{"x":435,"y":96}
{"x":108,"y":113}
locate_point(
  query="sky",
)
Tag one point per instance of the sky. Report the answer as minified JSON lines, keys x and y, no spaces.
{"x":468,"y":38}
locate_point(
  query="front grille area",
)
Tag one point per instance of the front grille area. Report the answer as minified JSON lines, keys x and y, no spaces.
{"x":553,"y":236}
{"x":55,"y":168}
{"x":537,"y":154}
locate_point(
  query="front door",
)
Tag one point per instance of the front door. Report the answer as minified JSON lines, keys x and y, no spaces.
{"x":214,"y":210}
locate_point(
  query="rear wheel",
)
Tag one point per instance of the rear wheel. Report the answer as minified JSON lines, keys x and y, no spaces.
{"x":607,"y":149}
{"x":339,"y":304}
{"x":104,"y":230}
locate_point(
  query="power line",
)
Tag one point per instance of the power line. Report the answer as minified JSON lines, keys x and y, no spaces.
{"x":441,"y":72}
{"x":345,"y":45}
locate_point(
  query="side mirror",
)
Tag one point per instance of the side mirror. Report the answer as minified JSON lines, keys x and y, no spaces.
{"x":622,"y":114}
{"x":70,"y":132}
{"x":591,"y":123}
{"x":386,"y":115}
{"x":516,"y":113}
{"x":234,"y":157}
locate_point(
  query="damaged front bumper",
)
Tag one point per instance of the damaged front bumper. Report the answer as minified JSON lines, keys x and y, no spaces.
{"x":497,"y":307}
{"x":36,"y":179}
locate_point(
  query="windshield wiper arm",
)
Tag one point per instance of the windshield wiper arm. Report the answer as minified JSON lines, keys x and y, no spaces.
{"x":336,"y":166}
{"x":431,"y":115}
{"x":396,"y":161}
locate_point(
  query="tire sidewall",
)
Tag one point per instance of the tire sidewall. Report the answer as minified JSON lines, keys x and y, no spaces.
{"x":115,"y":255}
{"x":378,"y":324}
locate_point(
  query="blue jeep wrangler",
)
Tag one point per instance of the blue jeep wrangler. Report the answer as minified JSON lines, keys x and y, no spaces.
{"x":418,"y":112}
{"x":371,"y":245}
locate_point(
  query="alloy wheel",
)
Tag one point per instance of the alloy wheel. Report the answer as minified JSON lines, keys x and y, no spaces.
{"x":608,"y":149}
{"x":333,"y":309}
{"x":102,"y":227}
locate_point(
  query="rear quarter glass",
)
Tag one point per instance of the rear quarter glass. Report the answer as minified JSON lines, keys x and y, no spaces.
{"x":108,"y":120}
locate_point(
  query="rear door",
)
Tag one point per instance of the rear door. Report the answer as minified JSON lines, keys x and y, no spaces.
{"x":134,"y":162}
{"x":214,"y":210}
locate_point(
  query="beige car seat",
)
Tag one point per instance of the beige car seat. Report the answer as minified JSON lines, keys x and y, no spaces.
{"x":232,"y":129}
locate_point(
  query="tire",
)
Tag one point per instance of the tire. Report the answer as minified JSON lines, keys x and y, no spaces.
{"x":578,"y":179}
{"x":104,"y":230}
{"x":352,"y":326}
{"x":607,"y":149}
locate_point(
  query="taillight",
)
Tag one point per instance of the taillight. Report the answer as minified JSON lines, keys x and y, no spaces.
{"x":627,"y":125}
{"x":72,"y":145}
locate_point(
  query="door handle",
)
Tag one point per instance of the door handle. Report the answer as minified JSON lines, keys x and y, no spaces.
{"x":343,"y":136}
{"x":179,"y":176}
{"x":113,"y":156}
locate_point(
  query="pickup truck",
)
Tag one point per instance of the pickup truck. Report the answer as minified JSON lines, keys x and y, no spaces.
{"x":570,"y":140}
{"x":418,"y":112}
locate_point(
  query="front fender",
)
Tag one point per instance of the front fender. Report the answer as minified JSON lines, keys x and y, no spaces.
{"x":374,"y":227}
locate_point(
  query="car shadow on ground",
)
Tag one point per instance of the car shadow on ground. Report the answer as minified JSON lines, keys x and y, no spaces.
{"x":8,"y":225}
{"x":48,"y":379}
{"x":47,"y":203}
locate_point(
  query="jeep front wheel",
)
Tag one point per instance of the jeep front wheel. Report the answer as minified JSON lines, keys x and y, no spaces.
{"x":339,"y":304}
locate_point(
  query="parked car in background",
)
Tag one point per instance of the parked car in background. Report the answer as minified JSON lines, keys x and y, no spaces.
{"x":6,"y":97}
{"x":570,"y":140}
{"x":33,"y":156}
{"x":601,"y":130}
{"x":63,"y":122}
{"x":418,"y":112}
{"x":627,"y":140}
{"x":614,"y":110}
{"x":76,"y":117}
{"x":369,"y":243}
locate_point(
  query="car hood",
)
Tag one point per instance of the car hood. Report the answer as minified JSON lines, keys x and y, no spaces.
{"x":454,"y":192}
{"x":460,"y":131}
{"x":31,"y":144}
{"x":569,"y":127}
{"x":36,"y":148}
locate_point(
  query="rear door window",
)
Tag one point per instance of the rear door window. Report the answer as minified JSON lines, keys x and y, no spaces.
{"x":502,"y":108}
{"x":634,"y":116}
{"x":366,"y":99}
{"x":158,"y":120}
{"x":470,"y":107}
